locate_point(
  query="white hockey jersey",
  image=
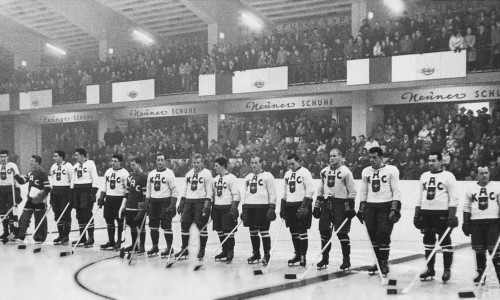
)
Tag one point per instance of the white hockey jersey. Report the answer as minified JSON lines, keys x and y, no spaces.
{"x":298,"y":185}
{"x":337,"y":183}
{"x":6,"y":175}
{"x":61,"y":175}
{"x":115,"y":182}
{"x":483,"y":202}
{"x":198,"y":185}
{"x":437,"y":191}
{"x":380,"y":185}
{"x":161,"y":184}
{"x":85,"y":174}
{"x":226,"y":189}
{"x":260,"y":189}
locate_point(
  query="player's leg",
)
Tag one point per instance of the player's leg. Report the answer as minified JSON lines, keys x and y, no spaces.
{"x":55,"y":202}
{"x":129,"y":218}
{"x":228,"y":224}
{"x":441,"y":225}
{"x":25,"y":219}
{"x":200,"y":223}
{"x":154,"y":226}
{"x":371,"y":225}
{"x":108,"y":215}
{"x":303,"y":226}
{"x":41,"y":234}
{"x":383,"y":236}
{"x":291,"y":222}
{"x":254,"y":236}
{"x":429,"y":241}
{"x":80,"y":215}
{"x":166,"y":225}
{"x":187,"y":219}
{"x":217,"y":215}
{"x":493,"y":234}
{"x":343,"y":234}
{"x":87,"y":204}
{"x":325,"y":231}
{"x":66,"y":218}
{"x":119,"y":221}
{"x":264,"y":224}
{"x":4,"y":208}
{"x":479,"y":245}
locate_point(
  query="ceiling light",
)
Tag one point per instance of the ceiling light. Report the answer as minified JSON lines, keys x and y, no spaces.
{"x":23,"y":63}
{"x":142,"y":37}
{"x":110,"y":50}
{"x":251,"y":21}
{"x":396,"y":6}
{"x":55,"y":49}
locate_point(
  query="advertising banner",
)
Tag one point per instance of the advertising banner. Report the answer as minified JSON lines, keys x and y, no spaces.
{"x":133,"y":90}
{"x":35,"y":100}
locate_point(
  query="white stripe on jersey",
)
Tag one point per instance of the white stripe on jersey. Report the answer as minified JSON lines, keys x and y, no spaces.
{"x":298,"y":185}
{"x":380,"y":185}
{"x":483,"y":202}
{"x":437,"y":191}
{"x":259,"y":189}
{"x":198,"y":185}
{"x":161,"y":184}
{"x":226,"y":189}
{"x":6,"y":176}
{"x":85,"y":173}
{"x":115,"y":182}
{"x":337,"y":183}
{"x":61,"y":175}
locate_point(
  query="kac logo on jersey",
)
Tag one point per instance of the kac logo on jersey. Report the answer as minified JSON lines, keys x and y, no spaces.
{"x":112,"y":181}
{"x":375,"y":181}
{"x":157,"y":182}
{"x":292,"y":182}
{"x":331,"y":180}
{"x":431,"y":187}
{"x":219,"y":186}
{"x":483,"y":198}
{"x":80,"y":171}
{"x":194,"y":181}
{"x":3,"y":173}
{"x":253,"y":184}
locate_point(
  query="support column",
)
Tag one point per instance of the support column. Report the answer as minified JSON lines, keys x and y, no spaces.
{"x":359,"y":114}
{"x":105,"y":121}
{"x":213,"y":124}
{"x":28,"y":141}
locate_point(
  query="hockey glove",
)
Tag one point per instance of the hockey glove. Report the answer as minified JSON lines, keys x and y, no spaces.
{"x":271,"y":213}
{"x":180,"y":208}
{"x":466,"y":224}
{"x":100,"y":201}
{"x":17,"y":195}
{"x":361,"y":212}
{"x":452,"y":217}
{"x":244,"y":215}
{"x":205,"y":213}
{"x":349,"y":212}
{"x":233,"y":211}
{"x":172,"y":208}
{"x":417,"y":219}
{"x":305,"y":208}
{"x":317,"y":207}
{"x":282,"y":208}
{"x":395,"y":213}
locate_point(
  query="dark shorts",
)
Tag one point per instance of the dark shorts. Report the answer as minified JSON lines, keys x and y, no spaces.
{"x":6,"y":201}
{"x":58,"y":201}
{"x":30,"y":205}
{"x":192,"y":213}
{"x":257,"y":217}
{"x":484,"y":236}
{"x":158,"y":209}
{"x":83,"y":199}
{"x":112,"y":207}
{"x":435,"y":223}
{"x":291,"y":219}
{"x":377,"y":218}
{"x":221,"y":220}
{"x":129,"y":218}
{"x":332,"y":213}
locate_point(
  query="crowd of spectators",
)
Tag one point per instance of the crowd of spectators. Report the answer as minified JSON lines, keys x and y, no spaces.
{"x":314,"y":54}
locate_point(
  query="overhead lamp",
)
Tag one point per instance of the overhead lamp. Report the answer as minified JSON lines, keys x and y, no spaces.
{"x":23,"y":63}
{"x":142,"y":37}
{"x":55,"y":49}
{"x":110,"y":50}
{"x":251,"y":21}
{"x":396,"y":6}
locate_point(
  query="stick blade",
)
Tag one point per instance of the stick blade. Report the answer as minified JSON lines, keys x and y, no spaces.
{"x":37,"y":250}
{"x":198,"y":267}
{"x":259,"y":272}
{"x":394,"y":292}
{"x":129,"y":256}
{"x":290,"y":276}
{"x":21,"y":247}
{"x":122,"y":254}
{"x":170,"y":265}
{"x":392,"y":282}
{"x":66,"y":253}
{"x":466,"y":295}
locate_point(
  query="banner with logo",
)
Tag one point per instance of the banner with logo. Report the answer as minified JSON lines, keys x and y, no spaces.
{"x":133,"y":90}
{"x":35,"y":100}
{"x":288,"y":103}
{"x":437,"y":95}
{"x":164,"y":111}
{"x":4,"y":102}
{"x":206,"y":85}
{"x":260,"y":80}
{"x":429,"y":66}
{"x":93,"y":94}
{"x":70,"y":117}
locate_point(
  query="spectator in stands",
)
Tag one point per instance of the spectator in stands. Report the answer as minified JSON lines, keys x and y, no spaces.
{"x":495,"y":44}
{"x":470,"y":45}
{"x":456,"y":43}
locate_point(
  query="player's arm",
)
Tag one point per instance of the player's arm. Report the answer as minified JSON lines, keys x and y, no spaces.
{"x":209,"y":190}
{"x":304,"y":209}
{"x":232,"y":185}
{"x":467,"y":213}
{"x":319,"y":196}
{"x":102,"y":196}
{"x":94,"y":176}
{"x":271,"y":192}
{"x":417,"y":218}
{"x":349,"y":205}
{"x":283,"y":198}
{"x":183,"y":194}
{"x":363,"y":195}
{"x":173,"y":193}
{"x":453,"y":201}
{"x":395,"y":213}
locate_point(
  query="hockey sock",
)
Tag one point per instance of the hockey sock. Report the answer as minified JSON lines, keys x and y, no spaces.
{"x":185,"y":239}
{"x":230,"y":242}
{"x":222,"y":236}
{"x":447,"y":252}
{"x":295,"y":241}
{"x":345,"y":244}
{"x":481,"y":260}
{"x":496,"y":263}
{"x":24,"y":222}
{"x":325,"y":237}
{"x":304,"y":243}
{"x":133,"y":234}
{"x":384,"y":250}
{"x":5,"y":224}
{"x":254,"y":238}
{"x":67,"y":228}
{"x":91,"y":229}
{"x":376,"y":248}
{"x":155,"y":236}
{"x":60,"y":228}
{"x":143,"y":237}
{"x":111,"y":230}
{"x":203,"y":239}
{"x":266,"y":240}
{"x":120,"y":231}
{"x":169,"y":237}
{"x":429,"y":245}
{"x":42,"y":229}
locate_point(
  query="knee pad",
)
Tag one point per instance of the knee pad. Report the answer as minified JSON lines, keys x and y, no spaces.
{"x":24,"y":221}
{"x":79,"y":215}
{"x":166,"y":225}
{"x":343,"y":236}
{"x":185,"y":226}
{"x":154,"y":223}
{"x":429,"y":238}
{"x":57,"y":214}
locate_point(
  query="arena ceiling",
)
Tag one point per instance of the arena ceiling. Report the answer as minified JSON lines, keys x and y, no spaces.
{"x":77,"y":25}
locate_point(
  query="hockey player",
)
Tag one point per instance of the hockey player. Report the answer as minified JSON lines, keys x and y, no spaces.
{"x":436,"y":210}
{"x":84,"y":188}
{"x":258,"y":209}
{"x":195,"y":205}
{"x":482,"y":220}
{"x":225,"y":210}
{"x":38,"y":190}
{"x":61,"y":174}
{"x":296,"y":207}
{"x":335,"y":202}
{"x":7,"y":171}
{"x":112,"y":196}
{"x":380,"y":205}
{"x":133,"y":205}
{"x":161,"y":199}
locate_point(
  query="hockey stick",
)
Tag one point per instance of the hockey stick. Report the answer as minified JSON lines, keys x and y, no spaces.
{"x":172,"y":246}
{"x":227,"y":237}
{"x":259,"y":272}
{"x":23,"y":246}
{"x":36,"y":250}
{"x":129,"y":255}
{"x":72,"y":251}
{"x":301,"y":276}
{"x":483,"y":276}
{"x":169,"y":265}
{"x":6,"y":214}
{"x":412,"y":283}
{"x":382,"y":279}
{"x":14,"y":212}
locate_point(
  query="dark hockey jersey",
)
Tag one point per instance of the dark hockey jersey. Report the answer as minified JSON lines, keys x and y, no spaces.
{"x":38,"y":181}
{"x":136,"y":186}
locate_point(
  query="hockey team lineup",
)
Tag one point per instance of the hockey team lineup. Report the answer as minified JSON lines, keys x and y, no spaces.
{"x":135,"y":200}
